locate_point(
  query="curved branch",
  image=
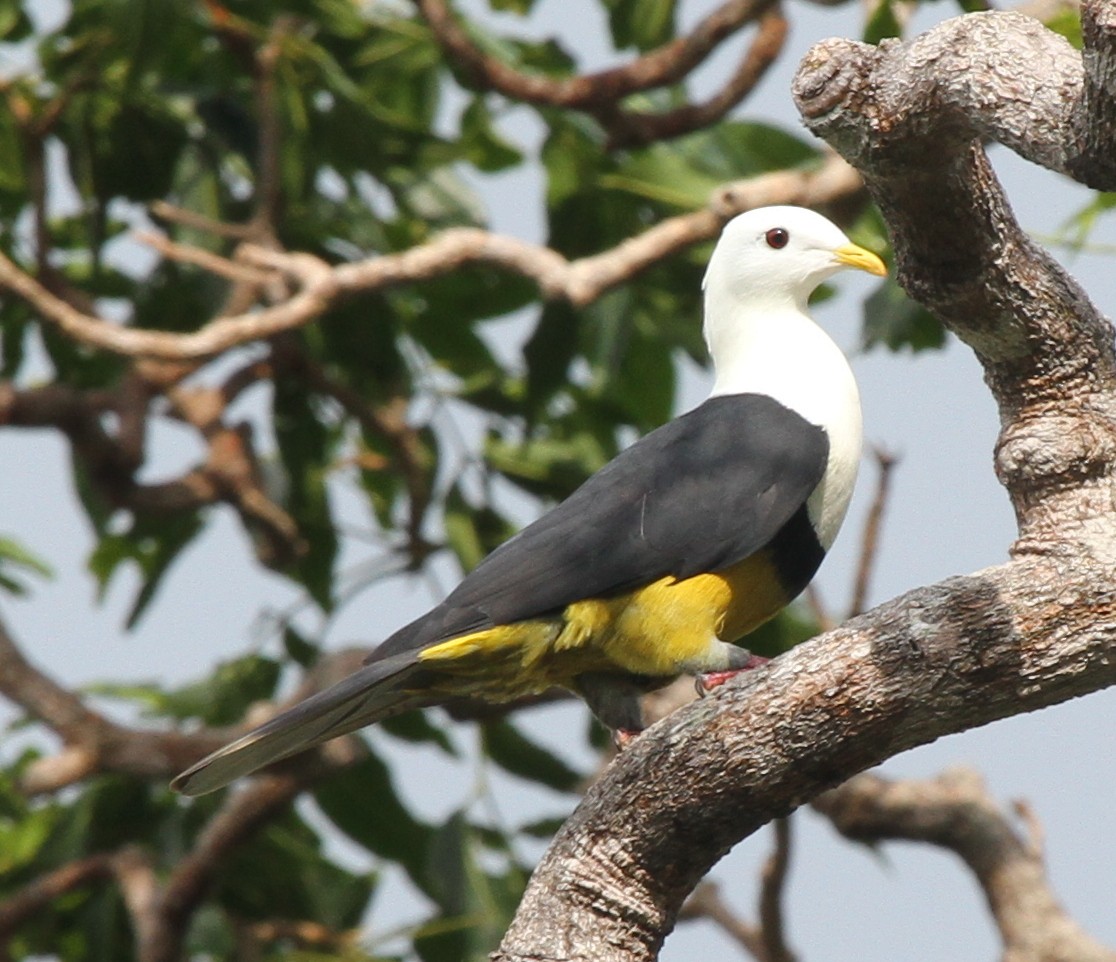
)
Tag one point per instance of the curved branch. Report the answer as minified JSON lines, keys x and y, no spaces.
{"x":631,"y":128}
{"x":954,"y":811}
{"x":1047,"y":352}
{"x":668,"y":64}
{"x":322,"y":286}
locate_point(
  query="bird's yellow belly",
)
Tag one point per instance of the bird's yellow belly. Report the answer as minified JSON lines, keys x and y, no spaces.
{"x":662,"y":630}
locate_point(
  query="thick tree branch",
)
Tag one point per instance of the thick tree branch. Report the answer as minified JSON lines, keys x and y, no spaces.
{"x":1047,"y":352}
{"x":954,"y":811}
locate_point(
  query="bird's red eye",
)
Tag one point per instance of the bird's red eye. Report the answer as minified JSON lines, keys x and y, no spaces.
{"x":777,"y":237}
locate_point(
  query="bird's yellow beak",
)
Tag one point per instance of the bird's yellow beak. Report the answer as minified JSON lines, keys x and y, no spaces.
{"x":862,"y":259}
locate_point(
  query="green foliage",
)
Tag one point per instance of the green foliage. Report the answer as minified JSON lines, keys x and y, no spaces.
{"x":883,"y":23}
{"x":15,"y":562}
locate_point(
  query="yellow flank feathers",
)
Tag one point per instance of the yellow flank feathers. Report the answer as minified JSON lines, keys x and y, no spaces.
{"x":661,"y":630}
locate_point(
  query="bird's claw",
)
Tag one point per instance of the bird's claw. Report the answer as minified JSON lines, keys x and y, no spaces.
{"x":709,"y":680}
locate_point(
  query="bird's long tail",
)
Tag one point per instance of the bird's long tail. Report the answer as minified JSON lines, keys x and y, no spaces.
{"x":368,"y":695}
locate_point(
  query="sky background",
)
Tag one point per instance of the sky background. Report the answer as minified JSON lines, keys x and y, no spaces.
{"x":947,"y":516}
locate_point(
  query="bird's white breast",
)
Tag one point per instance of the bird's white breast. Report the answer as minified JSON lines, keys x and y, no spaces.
{"x":782,"y":353}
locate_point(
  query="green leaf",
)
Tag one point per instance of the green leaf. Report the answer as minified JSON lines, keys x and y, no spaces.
{"x":683,"y":173}
{"x":306,"y":445}
{"x":522,"y":7}
{"x":482,"y":144}
{"x":417,"y":728}
{"x":476,"y":905}
{"x":895,"y":321}
{"x":298,"y":648}
{"x":280,"y":872}
{"x":154,"y":545}
{"x":544,"y":828}
{"x":792,"y":626}
{"x":12,"y":164}
{"x":14,"y":557}
{"x":223,"y":698}
{"x":1076,"y":230}
{"x":1067,"y":23}
{"x":642,"y":24}
{"x":550,"y":350}
{"x":363,"y":804}
{"x":548,"y":466}
{"x":155,"y":138}
{"x":15,"y":25}
{"x":882,"y":24}
{"x":514,"y":752}
{"x":472,"y":532}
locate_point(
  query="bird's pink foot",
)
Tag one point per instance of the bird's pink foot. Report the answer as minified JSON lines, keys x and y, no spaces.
{"x":714,"y":679}
{"x":623,"y":737}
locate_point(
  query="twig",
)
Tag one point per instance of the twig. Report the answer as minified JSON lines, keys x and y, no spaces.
{"x":198,"y":256}
{"x":637,"y":128}
{"x":162,"y":210}
{"x":242,"y":814}
{"x":36,"y":895}
{"x":818,"y":608}
{"x":705,"y":902}
{"x":772,"y":886}
{"x":870,"y":539}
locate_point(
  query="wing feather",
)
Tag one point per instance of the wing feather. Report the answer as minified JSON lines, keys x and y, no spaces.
{"x":698,"y":494}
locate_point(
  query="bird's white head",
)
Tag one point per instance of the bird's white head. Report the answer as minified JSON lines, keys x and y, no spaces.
{"x":763,"y":270}
{"x":777,"y":256}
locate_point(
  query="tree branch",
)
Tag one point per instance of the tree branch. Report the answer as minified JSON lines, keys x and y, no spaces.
{"x":1047,"y":352}
{"x":636,"y":128}
{"x":870,"y":539}
{"x":579,"y":282}
{"x":590,"y":92}
{"x":939,"y":660}
{"x":954,"y":811}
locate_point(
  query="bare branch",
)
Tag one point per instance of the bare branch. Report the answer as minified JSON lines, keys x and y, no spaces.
{"x":954,"y":811}
{"x":772,"y":886}
{"x":637,"y":128}
{"x":870,"y":538}
{"x":200,"y":257}
{"x":706,"y":903}
{"x":590,"y":92}
{"x":163,"y":211}
{"x":37,"y":895}
{"x":579,"y":282}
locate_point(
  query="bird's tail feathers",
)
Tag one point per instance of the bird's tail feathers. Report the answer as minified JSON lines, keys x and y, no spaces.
{"x":368,"y":695}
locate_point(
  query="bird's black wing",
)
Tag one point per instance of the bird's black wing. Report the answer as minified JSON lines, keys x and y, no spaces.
{"x":698,"y":494}
{"x":702,"y":492}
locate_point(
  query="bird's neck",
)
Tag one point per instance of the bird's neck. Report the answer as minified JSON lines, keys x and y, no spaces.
{"x":777,"y":350}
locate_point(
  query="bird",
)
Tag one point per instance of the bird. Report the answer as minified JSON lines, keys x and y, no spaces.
{"x":694,"y":535}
